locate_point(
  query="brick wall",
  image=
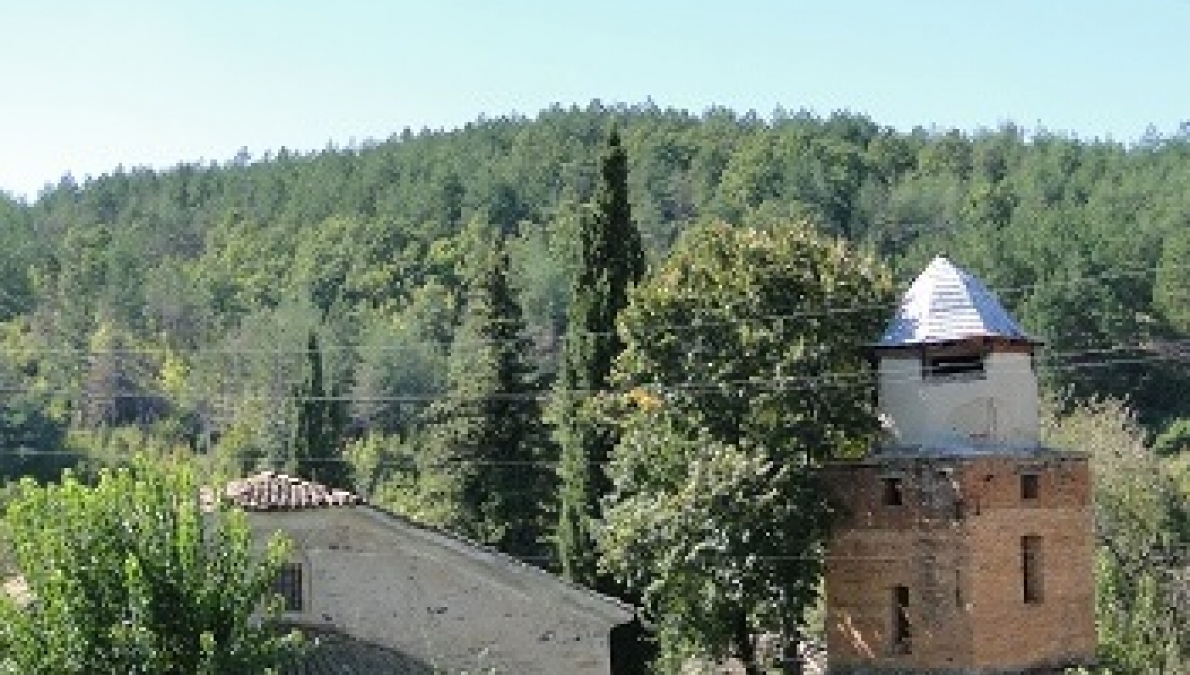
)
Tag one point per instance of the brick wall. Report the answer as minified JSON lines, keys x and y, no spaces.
{"x":955,"y":543}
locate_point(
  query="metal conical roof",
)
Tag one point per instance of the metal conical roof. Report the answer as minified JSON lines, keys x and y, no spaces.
{"x":945,"y":304}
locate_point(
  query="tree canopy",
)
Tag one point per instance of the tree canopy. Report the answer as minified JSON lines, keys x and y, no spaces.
{"x":175,"y":306}
{"x":744,"y":370}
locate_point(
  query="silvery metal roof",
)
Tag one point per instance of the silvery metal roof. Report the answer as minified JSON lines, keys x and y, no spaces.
{"x":945,"y":304}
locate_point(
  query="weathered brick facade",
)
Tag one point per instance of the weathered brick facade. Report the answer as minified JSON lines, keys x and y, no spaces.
{"x":965,"y":547}
{"x":955,"y":543}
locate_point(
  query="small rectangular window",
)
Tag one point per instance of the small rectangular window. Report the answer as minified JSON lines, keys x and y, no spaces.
{"x":1029,"y":486}
{"x":901,"y":633}
{"x":953,"y":366}
{"x":892,"y":492}
{"x":288,"y":585}
{"x":1031,"y":569}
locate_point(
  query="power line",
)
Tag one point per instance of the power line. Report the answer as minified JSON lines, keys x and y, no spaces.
{"x":530,"y":335}
{"x":831,"y":379}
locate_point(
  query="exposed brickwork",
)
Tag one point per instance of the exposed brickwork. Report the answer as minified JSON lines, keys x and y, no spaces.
{"x":955,"y":543}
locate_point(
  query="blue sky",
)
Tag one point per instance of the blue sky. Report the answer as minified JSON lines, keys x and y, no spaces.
{"x":91,"y":84}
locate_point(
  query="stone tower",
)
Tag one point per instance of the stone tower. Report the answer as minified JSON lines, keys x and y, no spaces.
{"x":964,"y":546}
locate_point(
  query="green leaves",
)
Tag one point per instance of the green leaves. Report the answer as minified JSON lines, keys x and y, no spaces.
{"x":321,"y":425}
{"x":1142,"y":527}
{"x":743,"y":362}
{"x":133,"y":575}
{"x":611,"y":261}
{"x":482,"y":471}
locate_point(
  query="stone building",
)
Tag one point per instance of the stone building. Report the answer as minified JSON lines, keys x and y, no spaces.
{"x":965,"y":546}
{"x":383,"y":595}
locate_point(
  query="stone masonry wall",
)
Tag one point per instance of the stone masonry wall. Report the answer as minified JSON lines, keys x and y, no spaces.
{"x":438,"y":605}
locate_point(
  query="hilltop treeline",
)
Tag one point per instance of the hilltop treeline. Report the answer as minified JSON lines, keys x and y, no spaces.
{"x":179,"y":302}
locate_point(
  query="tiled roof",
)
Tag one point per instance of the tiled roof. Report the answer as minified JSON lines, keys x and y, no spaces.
{"x":268,"y":491}
{"x":945,"y":304}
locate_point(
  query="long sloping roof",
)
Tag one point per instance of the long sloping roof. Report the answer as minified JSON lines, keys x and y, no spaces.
{"x":276,"y":492}
{"x":946,"y":304}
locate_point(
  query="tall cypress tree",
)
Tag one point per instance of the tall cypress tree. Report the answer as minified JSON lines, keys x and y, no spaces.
{"x":482,"y":468}
{"x":321,"y":423}
{"x":611,"y":259}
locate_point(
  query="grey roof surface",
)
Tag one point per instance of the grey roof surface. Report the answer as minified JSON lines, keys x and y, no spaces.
{"x":267,"y":491}
{"x":945,"y":304}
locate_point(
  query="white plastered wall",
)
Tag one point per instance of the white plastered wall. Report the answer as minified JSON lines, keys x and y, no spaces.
{"x":998,"y":409}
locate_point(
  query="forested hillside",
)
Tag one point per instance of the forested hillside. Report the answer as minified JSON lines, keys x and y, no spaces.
{"x":407,"y":301}
{"x":180,"y":301}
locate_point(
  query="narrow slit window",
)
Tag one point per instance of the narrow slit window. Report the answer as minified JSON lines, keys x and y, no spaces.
{"x":901,"y":633}
{"x":893,"y":492}
{"x":288,"y":585}
{"x":1031,"y":570}
{"x":953,"y":366}
{"x":1030,"y":486}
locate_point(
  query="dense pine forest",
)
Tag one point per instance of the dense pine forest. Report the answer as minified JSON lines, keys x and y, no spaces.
{"x":259,"y":310}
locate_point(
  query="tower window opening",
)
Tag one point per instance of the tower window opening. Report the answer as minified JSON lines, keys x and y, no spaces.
{"x":901,"y":632}
{"x":893,"y":493}
{"x":953,"y":366}
{"x":1031,"y":576}
{"x":1030,"y":486}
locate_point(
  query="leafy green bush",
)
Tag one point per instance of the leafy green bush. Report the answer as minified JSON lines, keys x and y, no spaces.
{"x":135,"y":574}
{"x":1174,"y":439}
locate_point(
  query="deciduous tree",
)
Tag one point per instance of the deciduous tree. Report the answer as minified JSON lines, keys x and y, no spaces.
{"x":744,"y":371}
{"x":136,"y":575}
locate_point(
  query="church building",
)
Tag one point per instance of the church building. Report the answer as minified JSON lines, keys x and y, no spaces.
{"x":964,"y":546}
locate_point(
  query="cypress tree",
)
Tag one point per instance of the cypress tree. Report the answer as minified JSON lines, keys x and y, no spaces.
{"x":482,"y":471}
{"x":321,"y":423}
{"x":611,"y":259}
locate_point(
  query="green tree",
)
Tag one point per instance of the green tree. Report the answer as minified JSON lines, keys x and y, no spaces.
{"x":611,"y":260}
{"x":1171,"y":291}
{"x":1142,"y":530}
{"x":31,"y":438}
{"x":743,"y":371}
{"x":399,"y":371}
{"x":321,"y":424}
{"x":482,"y":468}
{"x":137,"y":574}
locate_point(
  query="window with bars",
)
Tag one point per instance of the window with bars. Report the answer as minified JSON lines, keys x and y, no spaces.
{"x":288,"y":585}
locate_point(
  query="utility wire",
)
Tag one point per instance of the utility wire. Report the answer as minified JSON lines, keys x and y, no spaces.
{"x":530,"y":335}
{"x":1134,"y":354}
